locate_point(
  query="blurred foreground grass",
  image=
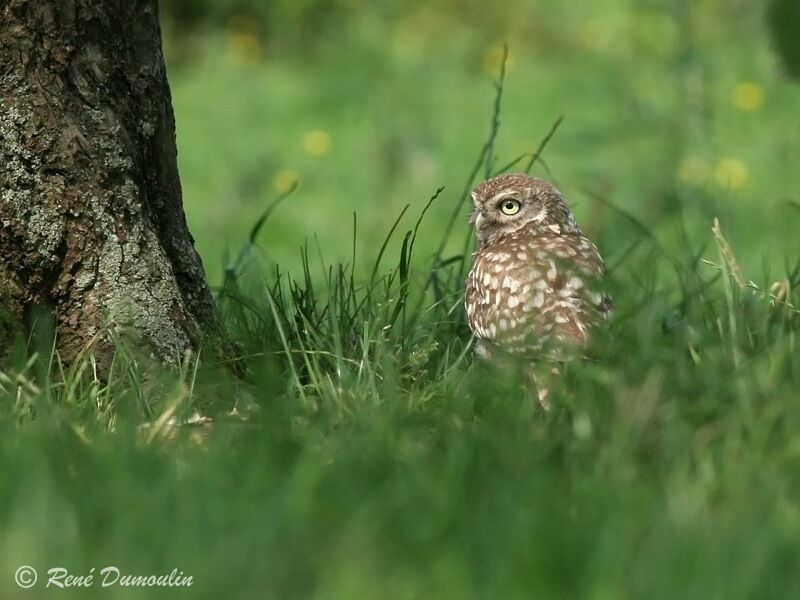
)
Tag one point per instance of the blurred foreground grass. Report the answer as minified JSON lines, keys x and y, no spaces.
{"x":371,"y":457}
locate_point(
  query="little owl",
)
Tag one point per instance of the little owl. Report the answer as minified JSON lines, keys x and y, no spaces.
{"x":534,"y":289}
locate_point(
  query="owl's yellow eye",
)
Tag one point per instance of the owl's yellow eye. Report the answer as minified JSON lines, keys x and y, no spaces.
{"x":509,"y":206}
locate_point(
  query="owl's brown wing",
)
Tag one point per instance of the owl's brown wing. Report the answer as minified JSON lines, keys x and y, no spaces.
{"x":579,"y":296}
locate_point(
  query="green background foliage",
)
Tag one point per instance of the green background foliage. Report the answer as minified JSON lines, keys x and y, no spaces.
{"x":369,"y":455}
{"x":660,"y":100}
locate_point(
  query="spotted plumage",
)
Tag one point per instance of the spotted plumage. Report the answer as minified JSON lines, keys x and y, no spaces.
{"x":535,"y":282}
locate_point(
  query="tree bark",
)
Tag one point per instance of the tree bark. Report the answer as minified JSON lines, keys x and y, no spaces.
{"x":91,"y":216}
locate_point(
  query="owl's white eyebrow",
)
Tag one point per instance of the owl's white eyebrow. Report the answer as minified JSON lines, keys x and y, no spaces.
{"x":504,"y":194}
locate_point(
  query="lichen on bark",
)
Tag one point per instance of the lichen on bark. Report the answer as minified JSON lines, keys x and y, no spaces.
{"x":91,"y":217}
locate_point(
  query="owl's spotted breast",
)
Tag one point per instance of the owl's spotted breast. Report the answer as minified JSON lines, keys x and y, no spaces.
{"x":526,"y":290}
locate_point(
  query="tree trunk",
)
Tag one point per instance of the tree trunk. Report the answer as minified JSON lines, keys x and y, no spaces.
{"x":91,"y":217}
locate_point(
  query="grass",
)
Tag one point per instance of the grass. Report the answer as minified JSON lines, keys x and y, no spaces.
{"x":370,"y":456}
{"x":376,"y":459}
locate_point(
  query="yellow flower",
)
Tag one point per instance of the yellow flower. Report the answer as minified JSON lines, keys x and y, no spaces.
{"x":285,"y":180}
{"x":694,"y":170}
{"x":731,"y":173}
{"x":317,"y":142}
{"x":244,"y":39}
{"x":747,"y":96}
{"x":245,"y":48}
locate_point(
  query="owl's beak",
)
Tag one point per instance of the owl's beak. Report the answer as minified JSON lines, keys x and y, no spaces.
{"x":479,"y":221}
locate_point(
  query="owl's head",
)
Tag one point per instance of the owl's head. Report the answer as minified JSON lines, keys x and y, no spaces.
{"x":507,"y":203}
